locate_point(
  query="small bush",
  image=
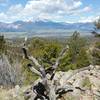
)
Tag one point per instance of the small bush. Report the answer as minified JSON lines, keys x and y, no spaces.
{"x":86,"y":83}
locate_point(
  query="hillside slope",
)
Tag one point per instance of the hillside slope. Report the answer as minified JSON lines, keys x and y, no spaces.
{"x":86,"y":85}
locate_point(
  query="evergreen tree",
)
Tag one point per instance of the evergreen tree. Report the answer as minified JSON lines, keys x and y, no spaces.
{"x":45,"y":51}
{"x":96,"y":54}
{"x":2,"y":45}
{"x":76,"y":56}
{"x":97,"y":23}
{"x":96,"y":48}
{"x":50,"y":53}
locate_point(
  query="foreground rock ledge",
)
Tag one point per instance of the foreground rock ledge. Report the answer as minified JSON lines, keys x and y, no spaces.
{"x":85,"y":85}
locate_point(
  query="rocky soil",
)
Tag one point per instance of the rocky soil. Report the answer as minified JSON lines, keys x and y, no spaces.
{"x":86,"y":86}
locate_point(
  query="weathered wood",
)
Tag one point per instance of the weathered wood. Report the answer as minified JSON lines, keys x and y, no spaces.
{"x":78,"y":71}
{"x":52,"y":91}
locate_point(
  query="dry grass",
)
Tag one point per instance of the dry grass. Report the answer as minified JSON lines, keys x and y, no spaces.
{"x":11,"y":94}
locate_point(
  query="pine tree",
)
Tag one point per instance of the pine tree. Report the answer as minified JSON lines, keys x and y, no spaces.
{"x":76,"y":56}
{"x":96,"y":50}
{"x":2,"y":44}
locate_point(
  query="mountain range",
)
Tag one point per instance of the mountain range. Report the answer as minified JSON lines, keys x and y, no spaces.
{"x":34,"y":26}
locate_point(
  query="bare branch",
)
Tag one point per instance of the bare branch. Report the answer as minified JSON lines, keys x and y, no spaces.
{"x":52,"y":69}
{"x":78,"y":71}
{"x":41,"y":71}
{"x":34,"y":70}
{"x":60,"y":57}
{"x":34,"y":60}
{"x":25,"y":52}
{"x":67,"y":88}
{"x":41,"y":68}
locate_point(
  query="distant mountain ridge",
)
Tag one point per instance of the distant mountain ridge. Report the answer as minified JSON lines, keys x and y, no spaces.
{"x":22,"y":26}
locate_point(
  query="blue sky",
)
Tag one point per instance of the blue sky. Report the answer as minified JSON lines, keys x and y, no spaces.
{"x":53,"y":10}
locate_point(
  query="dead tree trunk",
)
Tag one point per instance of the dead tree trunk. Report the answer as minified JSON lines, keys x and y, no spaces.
{"x":47,"y":89}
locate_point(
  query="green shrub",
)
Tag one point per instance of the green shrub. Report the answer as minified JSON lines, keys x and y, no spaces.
{"x":97,"y":23}
{"x":86,"y":83}
{"x":45,"y":51}
{"x":2,"y":45}
{"x":96,"y":54}
{"x":29,"y":77}
{"x":76,"y":56}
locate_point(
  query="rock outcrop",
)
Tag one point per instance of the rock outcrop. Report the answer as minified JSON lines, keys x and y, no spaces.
{"x":85,"y":85}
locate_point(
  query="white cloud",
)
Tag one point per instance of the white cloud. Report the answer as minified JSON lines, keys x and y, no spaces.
{"x":43,"y":9}
{"x":88,"y":19}
{"x":87,"y":9}
{"x":14,"y":10}
{"x":3,"y":16}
